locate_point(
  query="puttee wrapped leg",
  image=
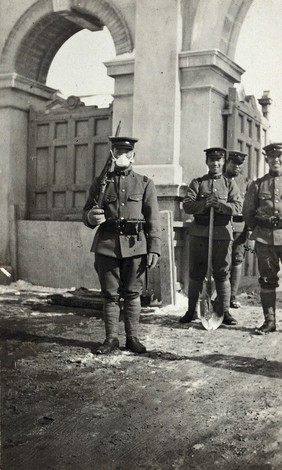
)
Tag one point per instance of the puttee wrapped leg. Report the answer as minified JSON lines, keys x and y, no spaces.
{"x":132,"y":309}
{"x":268,"y":301}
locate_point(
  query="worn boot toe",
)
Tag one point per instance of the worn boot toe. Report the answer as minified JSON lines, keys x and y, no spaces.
{"x":134,"y":345}
{"x":188,"y":317}
{"x":267,"y":327}
{"x":234,"y":303}
{"x":109,"y":345}
{"x":228,"y":319}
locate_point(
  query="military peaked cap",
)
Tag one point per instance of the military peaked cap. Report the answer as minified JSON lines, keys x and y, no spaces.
{"x":236,"y":156}
{"x":123,"y":142}
{"x":215,"y":152}
{"x":273,"y":148}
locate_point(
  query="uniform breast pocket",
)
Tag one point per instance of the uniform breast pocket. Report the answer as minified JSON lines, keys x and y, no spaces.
{"x":109,"y":199}
{"x":265,"y":196}
{"x":135,"y":198}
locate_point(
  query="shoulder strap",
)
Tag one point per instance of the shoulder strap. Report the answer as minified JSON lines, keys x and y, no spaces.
{"x":259,"y":181}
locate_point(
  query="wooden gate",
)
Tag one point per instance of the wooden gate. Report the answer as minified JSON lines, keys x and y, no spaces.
{"x":68,"y":147}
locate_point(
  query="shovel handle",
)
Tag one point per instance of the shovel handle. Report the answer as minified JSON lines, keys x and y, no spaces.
{"x":209,"y":270}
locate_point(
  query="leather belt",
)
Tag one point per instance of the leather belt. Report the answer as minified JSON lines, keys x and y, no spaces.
{"x":237,"y":218}
{"x":219,"y":220}
{"x":123,"y":226}
{"x":269,"y":222}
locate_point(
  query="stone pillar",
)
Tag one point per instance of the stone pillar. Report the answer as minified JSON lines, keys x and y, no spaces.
{"x":205,"y":80}
{"x":156,"y":107}
{"x":17,"y":95}
{"x":122,"y":70}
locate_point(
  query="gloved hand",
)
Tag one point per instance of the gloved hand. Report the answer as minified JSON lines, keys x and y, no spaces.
{"x":96,"y":216}
{"x":152,"y":260}
{"x":212,"y":201}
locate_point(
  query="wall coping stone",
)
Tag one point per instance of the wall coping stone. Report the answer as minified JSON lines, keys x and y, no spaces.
{"x":211,"y":58}
{"x":18,"y":82}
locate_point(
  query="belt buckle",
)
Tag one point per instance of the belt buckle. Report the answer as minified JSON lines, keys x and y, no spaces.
{"x":274,"y":221}
{"x":121,"y":225}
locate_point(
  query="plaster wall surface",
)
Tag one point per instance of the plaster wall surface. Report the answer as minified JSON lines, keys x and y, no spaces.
{"x":156,"y":79}
{"x":18,"y":158}
{"x":195,"y":137}
{"x":208,"y":24}
{"x":56,"y":254}
{"x":4,"y":183}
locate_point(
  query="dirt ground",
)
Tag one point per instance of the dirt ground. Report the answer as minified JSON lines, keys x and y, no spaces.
{"x":196,"y":400}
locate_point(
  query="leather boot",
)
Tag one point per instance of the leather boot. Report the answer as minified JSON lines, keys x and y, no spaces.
{"x":134,"y":345}
{"x":194,"y":290}
{"x":228,"y":319}
{"x":188,"y":317}
{"x":235,"y":277}
{"x":268,"y":301}
{"x":109,"y":345}
{"x":223,"y":297}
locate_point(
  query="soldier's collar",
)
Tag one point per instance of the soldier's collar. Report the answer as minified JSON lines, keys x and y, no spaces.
{"x":214,"y":177}
{"x":123,"y":172}
{"x":275,"y":174}
{"x":229,"y":175}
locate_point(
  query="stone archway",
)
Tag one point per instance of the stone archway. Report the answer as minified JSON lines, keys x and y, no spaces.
{"x":43,"y":29}
{"x":232,"y":26}
{"x":215,"y":25}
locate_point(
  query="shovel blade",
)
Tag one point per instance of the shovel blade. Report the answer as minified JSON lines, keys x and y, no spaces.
{"x":209,"y":317}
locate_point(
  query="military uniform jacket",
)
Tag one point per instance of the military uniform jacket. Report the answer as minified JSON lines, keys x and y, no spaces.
{"x":230,"y":203}
{"x":128,"y":196}
{"x":264,"y":200}
{"x":237,"y":221}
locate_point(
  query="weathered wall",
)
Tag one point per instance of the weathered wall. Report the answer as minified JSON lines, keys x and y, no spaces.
{"x":56,"y":254}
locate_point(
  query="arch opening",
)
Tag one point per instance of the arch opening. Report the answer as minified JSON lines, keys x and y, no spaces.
{"x":78,"y":68}
{"x":262,"y":26}
{"x":42,"y":30}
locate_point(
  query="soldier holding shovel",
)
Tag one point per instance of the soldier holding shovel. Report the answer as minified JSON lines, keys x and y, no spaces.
{"x":212,"y":190}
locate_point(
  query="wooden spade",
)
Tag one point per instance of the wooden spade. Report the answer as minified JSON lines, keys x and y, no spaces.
{"x":210,"y":319}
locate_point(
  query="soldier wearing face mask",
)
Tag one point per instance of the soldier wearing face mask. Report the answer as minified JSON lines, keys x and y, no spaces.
{"x":126,"y":242}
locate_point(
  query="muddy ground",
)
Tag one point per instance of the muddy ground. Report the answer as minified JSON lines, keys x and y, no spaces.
{"x":196,"y":400}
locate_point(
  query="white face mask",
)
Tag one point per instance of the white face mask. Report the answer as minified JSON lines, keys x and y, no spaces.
{"x":122,"y":161}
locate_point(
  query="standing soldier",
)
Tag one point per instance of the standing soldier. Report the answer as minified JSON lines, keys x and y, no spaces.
{"x":126,"y":242}
{"x":234,"y":164}
{"x":211,"y":190}
{"x":262,"y":212}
